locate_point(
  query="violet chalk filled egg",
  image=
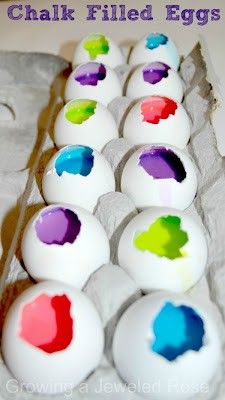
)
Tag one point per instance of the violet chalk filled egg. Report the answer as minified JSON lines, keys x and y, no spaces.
{"x":167,"y":347}
{"x":48,"y":342}
{"x":64,"y":243}
{"x":157,"y":119}
{"x":155,"y":78}
{"x":160,"y":175}
{"x":94,"y":81}
{"x":85,"y":122}
{"x":100,"y":48}
{"x":163,"y":249}
{"x":155,"y":47}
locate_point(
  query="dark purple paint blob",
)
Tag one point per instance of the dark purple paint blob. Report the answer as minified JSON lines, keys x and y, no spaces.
{"x":58,"y":226}
{"x":154,"y":72}
{"x":162,"y":163}
{"x":90,"y":74}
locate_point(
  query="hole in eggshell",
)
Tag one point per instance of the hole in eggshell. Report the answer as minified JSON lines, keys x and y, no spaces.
{"x":164,"y":238}
{"x":155,"y":108}
{"x":46,"y":323}
{"x":154,"y":40}
{"x":76,"y":160}
{"x":79,"y":111}
{"x":162,"y":163}
{"x":57,"y":226}
{"x":154,"y":72}
{"x":96,"y":44}
{"x":90,"y":74}
{"x":177,"y":329}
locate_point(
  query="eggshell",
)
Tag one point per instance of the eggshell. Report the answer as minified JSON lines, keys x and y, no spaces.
{"x":155,"y":47}
{"x":157,"y":119}
{"x":163,"y":248}
{"x":48,"y":342}
{"x":155,"y":79}
{"x":160,"y":175}
{"x":100,"y":48}
{"x":94,"y":81}
{"x":85,"y":122}
{"x":64,"y":243}
{"x":156,"y":329}
{"x":77,"y":175}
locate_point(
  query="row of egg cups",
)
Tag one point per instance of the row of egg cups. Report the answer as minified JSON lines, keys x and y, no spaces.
{"x":137,"y":87}
{"x":102,"y":49}
{"x":99,"y":82}
{"x":93,"y":85}
{"x":53,"y":337}
{"x":73,"y":221}
{"x":53,"y":358}
{"x":97,"y":55}
{"x":61,"y":235}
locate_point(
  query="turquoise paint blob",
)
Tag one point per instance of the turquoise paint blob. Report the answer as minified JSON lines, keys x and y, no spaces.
{"x":76,"y":160}
{"x":177,"y":330}
{"x":154,"y":40}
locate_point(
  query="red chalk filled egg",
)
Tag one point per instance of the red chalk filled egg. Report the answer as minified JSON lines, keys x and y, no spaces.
{"x":48,"y":339}
{"x":157,"y":119}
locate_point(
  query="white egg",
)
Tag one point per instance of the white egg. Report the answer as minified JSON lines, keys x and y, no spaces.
{"x":64,"y":243}
{"x":157,"y":119}
{"x":100,"y":48}
{"x":160,"y":175}
{"x":93,"y":81}
{"x":167,"y":347}
{"x":155,"y":79}
{"x":163,"y":248}
{"x":48,"y":342}
{"x":155,"y":47}
{"x":85,"y":122}
{"x":77,"y":175}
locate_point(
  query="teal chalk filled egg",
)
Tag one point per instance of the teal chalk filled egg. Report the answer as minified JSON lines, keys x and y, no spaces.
{"x":167,"y":347}
{"x":155,"y":47}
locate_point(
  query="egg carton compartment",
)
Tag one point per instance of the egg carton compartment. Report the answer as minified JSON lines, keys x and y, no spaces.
{"x":110,"y":288}
{"x":28,"y":83}
{"x":30,"y":90}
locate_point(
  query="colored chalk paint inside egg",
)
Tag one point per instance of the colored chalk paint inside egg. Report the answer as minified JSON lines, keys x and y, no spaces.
{"x":58,"y":226}
{"x":164,"y":238}
{"x":79,"y":111}
{"x":162,"y":163}
{"x":90,"y":74}
{"x":154,"y":40}
{"x":78,"y":160}
{"x":156,"y":108}
{"x":154,"y":72}
{"x":46,"y":323}
{"x":177,"y":330}
{"x":95,"y":45}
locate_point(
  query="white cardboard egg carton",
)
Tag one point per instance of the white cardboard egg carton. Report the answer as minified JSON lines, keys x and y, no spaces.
{"x":110,"y":288}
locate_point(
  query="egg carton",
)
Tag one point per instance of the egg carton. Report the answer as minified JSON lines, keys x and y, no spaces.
{"x":110,"y":288}
{"x":30,"y":83}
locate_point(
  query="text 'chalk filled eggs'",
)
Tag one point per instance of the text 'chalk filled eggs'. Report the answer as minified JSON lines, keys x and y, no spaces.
{"x":64,"y":243}
{"x":94,"y":81}
{"x":155,"y":47}
{"x":167,"y":347}
{"x":155,"y":79}
{"x":157,"y":119}
{"x":163,"y":248}
{"x":158,"y":175}
{"x":100,"y":48}
{"x":85,"y":122}
{"x":48,"y":339}
{"x":77,"y":175}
